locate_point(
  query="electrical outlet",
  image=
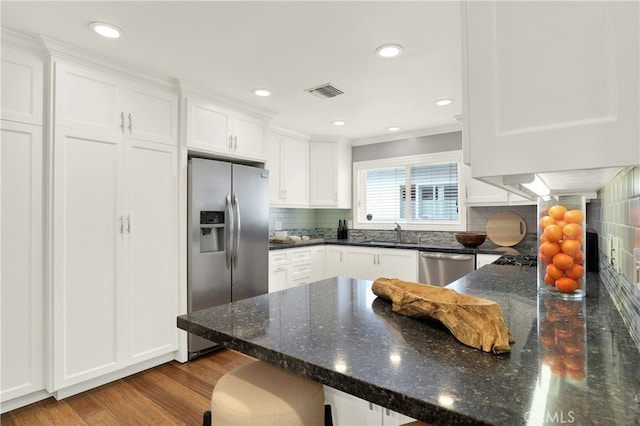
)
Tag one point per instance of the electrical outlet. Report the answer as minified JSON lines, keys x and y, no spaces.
{"x":609,"y":246}
{"x":636,"y":266}
{"x":615,"y":254}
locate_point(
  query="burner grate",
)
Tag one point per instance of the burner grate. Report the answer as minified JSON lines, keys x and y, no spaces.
{"x":517,"y":260}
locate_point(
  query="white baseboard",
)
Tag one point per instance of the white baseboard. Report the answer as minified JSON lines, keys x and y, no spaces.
{"x":23,"y":401}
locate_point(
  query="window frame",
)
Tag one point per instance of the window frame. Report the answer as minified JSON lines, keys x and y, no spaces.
{"x":415,"y":160}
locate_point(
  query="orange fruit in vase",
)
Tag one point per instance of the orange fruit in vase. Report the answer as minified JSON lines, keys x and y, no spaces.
{"x":557,"y":212}
{"x":580,"y":282}
{"x":543,"y":239}
{"x":573,"y":231}
{"x":578,"y":257}
{"x":574,"y":216}
{"x":549,"y":280}
{"x":570,"y":247}
{"x":577,"y":375}
{"x":561,"y":223}
{"x":549,"y":249}
{"x":554,"y":272}
{"x":544,"y":259}
{"x":566,"y":285}
{"x":576,"y":272}
{"x":562,"y":261}
{"x":546,"y":221}
{"x":553,"y":233}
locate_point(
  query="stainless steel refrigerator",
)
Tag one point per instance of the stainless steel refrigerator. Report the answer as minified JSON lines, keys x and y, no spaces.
{"x":228,"y":222}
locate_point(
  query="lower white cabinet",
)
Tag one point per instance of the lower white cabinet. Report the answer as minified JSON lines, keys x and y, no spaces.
{"x":289,"y":268}
{"x":115,"y":254}
{"x":347,"y":409}
{"x":371,"y":263}
{"x":485,"y":259}
{"x":318,"y":256}
{"x":21,"y":290}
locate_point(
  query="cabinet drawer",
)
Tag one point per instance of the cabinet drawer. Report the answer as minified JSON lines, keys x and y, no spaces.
{"x":300,"y":269}
{"x":301,"y":280}
{"x":278,"y":258}
{"x":300,"y":255}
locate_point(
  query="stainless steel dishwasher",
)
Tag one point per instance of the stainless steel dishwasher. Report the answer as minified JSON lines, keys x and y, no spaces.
{"x":444,"y":268}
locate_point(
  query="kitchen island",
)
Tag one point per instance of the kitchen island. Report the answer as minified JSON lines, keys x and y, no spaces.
{"x":339,"y":333}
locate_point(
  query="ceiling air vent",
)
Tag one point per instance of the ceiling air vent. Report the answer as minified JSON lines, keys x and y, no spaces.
{"x":325,"y":91}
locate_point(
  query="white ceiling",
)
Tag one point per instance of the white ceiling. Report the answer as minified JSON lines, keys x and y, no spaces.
{"x":233,"y":47}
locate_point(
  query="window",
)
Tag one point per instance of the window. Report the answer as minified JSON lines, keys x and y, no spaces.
{"x":421,"y":192}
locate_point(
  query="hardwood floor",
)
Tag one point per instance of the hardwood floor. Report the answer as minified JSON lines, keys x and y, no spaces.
{"x":170,"y":394}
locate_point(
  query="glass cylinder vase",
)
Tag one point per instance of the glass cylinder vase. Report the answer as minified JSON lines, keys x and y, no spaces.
{"x":562,"y":246}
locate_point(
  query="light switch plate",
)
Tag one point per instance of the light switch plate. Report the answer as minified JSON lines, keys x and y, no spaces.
{"x":609,"y":246}
{"x":616,"y":256}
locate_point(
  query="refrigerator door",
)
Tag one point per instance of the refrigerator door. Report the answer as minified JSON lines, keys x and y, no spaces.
{"x":209,"y":227}
{"x":251,"y":257}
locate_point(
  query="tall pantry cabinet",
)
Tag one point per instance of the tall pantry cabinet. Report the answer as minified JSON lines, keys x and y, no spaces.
{"x":21,"y":249}
{"x":115,"y":216}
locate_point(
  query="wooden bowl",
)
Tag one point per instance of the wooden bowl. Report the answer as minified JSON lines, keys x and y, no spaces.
{"x":470,"y":239}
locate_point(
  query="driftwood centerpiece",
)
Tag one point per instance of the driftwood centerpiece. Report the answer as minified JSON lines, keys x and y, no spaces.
{"x":474,"y":321}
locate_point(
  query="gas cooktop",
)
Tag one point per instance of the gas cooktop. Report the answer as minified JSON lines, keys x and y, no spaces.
{"x":517,"y":260}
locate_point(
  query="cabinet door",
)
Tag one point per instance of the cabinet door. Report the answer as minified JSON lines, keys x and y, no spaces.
{"x":322,"y":174}
{"x":208,"y":127}
{"x":21,"y":290}
{"x":88,"y":234}
{"x":278,"y":270}
{"x":87,"y":99}
{"x":22,"y":91}
{"x":398,"y":263}
{"x":317,"y":263}
{"x":249,"y":137}
{"x":151,"y":114}
{"x":333,"y":262}
{"x":152,"y":249}
{"x":274,"y":165}
{"x":294,"y":172}
{"x":347,"y":409}
{"x":481,"y":193}
{"x":551,"y":97}
{"x":360,"y":263}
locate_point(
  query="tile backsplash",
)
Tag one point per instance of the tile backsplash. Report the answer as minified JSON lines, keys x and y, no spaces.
{"x":616,"y":212}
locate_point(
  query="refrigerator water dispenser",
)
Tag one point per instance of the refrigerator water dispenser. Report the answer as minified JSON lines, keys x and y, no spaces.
{"x":211,"y":231}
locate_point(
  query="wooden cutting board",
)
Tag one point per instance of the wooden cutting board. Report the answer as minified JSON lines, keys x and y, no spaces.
{"x":506,"y":229}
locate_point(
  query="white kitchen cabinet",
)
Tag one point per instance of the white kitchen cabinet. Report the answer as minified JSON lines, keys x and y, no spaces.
{"x":115,"y":253}
{"x":550,"y":86}
{"x":21,"y":286}
{"x":347,"y":409}
{"x":485,"y":259}
{"x":330,"y":174}
{"x":290,"y":268}
{"x":371,"y":263}
{"x":334,"y":261}
{"x":93,"y":100}
{"x":22,"y":86}
{"x":211,"y":128}
{"x":318,"y":271}
{"x":288,"y":164}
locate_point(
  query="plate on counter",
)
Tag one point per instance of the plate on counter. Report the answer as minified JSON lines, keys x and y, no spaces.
{"x":506,"y":229}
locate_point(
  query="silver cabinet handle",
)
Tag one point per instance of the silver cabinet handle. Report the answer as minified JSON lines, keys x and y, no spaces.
{"x":230,"y":143}
{"x":121,"y":224}
{"x":235,"y":143}
{"x":130,"y":123}
{"x":128,"y":224}
{"x":122,"y":121}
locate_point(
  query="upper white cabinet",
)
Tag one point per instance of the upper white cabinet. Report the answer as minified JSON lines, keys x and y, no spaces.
{"x":22,"y":85}
{"x":89,"y":99}
{"x":288,"y":164}
{"x":21,"y":286}
{"x":218,"y":130}
{"x":330,"y":173}
{"x":550,"y":86}
{"x":479,"y":193}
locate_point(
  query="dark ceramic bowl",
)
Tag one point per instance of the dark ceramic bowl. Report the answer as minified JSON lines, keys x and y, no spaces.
{"x":470,"y":239}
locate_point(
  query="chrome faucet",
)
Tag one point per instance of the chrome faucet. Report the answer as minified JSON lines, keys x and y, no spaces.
{"x":398,"y":230}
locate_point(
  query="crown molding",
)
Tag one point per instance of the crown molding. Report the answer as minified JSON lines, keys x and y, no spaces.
{"x":23,"y":42}
{"x":287,"y":132}
{"x":455,"y":127}
{"x":57,"y":49}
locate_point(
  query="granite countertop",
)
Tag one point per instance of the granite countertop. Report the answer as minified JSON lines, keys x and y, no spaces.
{"x":573,"y":361}
{"x":487,"y":247}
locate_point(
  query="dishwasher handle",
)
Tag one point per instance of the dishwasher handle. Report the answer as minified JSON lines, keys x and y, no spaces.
{"x":447,"y":256}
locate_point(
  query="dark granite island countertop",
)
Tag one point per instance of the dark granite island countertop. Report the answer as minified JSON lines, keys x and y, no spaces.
{"x":339,"y":333}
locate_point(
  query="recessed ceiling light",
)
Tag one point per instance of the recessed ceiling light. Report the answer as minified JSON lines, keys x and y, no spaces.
{"x":393,"y":128}
{"x":389,"y":50}
{"x":262,"y":92}
{"x":444,"y":102}
{"x":339,"y":123}
{"x":106,"y":30}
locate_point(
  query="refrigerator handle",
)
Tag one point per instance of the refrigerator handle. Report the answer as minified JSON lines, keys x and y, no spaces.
{"x":236,"y":234}
{"x":228,"y":230}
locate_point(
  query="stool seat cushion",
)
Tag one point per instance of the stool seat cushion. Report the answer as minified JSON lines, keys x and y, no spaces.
{"x":261,"y":394}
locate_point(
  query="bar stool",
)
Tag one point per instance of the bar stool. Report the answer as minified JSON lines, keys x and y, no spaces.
{"x":261,"y":394}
